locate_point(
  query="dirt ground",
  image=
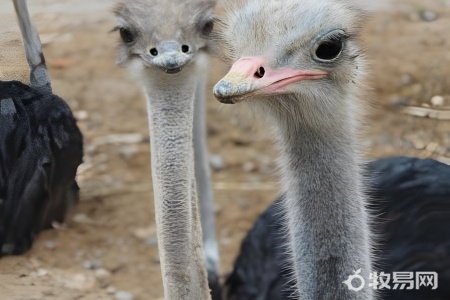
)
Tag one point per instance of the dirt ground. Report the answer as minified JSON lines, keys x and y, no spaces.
{"x":107,"y":249}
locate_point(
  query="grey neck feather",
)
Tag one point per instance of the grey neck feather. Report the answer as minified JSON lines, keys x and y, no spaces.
{"x":39,"y":75}
{"x":327,"y":222}
{"x":170,"y":110}
{"x":203,"y":178}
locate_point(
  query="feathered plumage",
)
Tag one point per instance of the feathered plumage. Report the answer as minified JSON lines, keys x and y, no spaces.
{"x":411,"y":210}
{"x":40,"y":150}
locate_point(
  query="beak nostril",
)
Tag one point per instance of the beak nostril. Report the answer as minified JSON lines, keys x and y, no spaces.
{"x":153,"y":51}
{"x":185,"y":48}
{"x":260,"y":73}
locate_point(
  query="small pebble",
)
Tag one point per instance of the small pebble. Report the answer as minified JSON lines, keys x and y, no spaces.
{"x":92,"y":264}
{"x":419,"y":144}
{"x":41,"y":272}
{"x":59,"y":226}
{"x":249,"y":166}
{"x":102,"y":274}
{"x":217,"y":162}
{"x":437,"y":100}
{"x":144,"y":233}
{"x":123,"y":295}
{"x":87,"y":265}
{"x":81,"y":115}
{"x":50,"y":245}
{"x":82,"y":218}
{"x":79,"y":281}
{"x":111,"y":289}
{"x":428,"y":15}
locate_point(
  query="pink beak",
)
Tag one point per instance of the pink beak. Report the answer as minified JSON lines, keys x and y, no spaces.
{"x":250,"y":76}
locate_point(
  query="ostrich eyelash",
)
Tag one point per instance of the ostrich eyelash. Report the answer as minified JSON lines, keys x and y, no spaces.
{"x":339,"y":36}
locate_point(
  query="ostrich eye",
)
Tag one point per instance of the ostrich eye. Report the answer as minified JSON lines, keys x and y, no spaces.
{"x":126,"y":35}
{"x":329,"y":50}
{"x":330,"y":47}
{"x":207,"y":27}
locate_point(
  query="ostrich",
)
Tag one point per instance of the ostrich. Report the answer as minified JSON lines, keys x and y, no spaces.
{"x":41,"y":148}
{"x":410,"y":203}
{"x":299,"y":64}
{"x":164,"y":44}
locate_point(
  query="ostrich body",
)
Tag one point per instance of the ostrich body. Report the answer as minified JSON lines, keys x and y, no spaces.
{"x":164,"y":44}
{"x":410,"y":203}
{"x":40,"y":150}
{"x":298,"y":63}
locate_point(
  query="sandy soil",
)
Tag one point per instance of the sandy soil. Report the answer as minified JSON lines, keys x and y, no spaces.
{"x":108,"y":246}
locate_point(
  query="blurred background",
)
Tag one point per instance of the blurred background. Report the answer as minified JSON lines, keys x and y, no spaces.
{"x":107,"y":249}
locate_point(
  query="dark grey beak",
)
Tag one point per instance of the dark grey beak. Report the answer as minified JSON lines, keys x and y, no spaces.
{"x":171,"y":56}
{"x":223,"y":92}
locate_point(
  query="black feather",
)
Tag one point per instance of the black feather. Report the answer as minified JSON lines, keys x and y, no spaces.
{"x":41,"y":148}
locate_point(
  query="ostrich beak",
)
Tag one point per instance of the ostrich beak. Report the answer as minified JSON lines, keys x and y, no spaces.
{"x":250,"y":76}
{"x":169,"y":57}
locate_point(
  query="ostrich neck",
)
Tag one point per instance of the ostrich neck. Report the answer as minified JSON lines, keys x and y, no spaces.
{"x":39,"y":75}
{"x":203,"y":178}
{"x":170,"y":111}
{"x":325,"y":206}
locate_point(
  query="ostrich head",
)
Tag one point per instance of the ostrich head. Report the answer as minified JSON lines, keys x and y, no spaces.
{"x":162,"y":35}
{"x":306,"y":48}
